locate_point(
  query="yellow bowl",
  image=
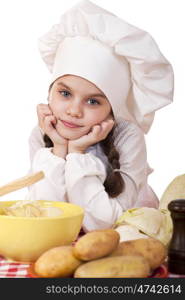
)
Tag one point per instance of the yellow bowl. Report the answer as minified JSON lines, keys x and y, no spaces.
{"x":26,"y":238}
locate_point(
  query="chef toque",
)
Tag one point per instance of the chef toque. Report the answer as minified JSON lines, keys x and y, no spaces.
{"x":123,"y":61}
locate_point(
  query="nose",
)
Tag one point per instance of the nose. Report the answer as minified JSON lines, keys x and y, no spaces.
{"x":74,"y":109}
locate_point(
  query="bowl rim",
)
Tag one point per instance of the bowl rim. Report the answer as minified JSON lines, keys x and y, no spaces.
{"x":81,"y":211}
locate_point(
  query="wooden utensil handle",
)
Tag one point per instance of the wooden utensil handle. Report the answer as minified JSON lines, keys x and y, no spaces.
{"x":21,"y":183}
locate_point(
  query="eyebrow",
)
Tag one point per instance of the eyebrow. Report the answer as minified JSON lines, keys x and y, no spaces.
{"x":90,"y":95}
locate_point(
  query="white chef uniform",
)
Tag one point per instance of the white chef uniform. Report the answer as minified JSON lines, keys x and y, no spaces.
{"x":125,"y":63}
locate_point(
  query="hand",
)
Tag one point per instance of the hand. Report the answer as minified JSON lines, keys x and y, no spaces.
{"x":98,"y":133}
{"x":47,"y":122}
{"x":43,"y":110}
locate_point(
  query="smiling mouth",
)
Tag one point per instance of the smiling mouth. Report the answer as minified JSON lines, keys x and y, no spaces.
{"x":69,"y":125}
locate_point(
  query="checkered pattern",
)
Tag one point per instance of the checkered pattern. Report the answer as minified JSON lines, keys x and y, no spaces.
{"x":9,"y":269}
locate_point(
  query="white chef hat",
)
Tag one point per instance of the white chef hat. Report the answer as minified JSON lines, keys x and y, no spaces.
{"x":123,"y":61}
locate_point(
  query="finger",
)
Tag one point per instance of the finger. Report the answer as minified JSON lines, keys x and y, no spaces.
{"x":49,"y":126}
{"x":49,"y":121}
{"x":42,"y":106}
{"x":109,"y":118}
{"x":51,"y":131}
{"x":106,"y":127}
{"x":44,"y":109}
{"x":109,"y":121}
{"x":96,"y":130}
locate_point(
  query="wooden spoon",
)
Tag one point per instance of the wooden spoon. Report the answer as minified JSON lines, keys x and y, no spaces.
{"x":21,"y":183}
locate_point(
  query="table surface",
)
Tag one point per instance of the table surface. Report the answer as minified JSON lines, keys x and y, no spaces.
{"x":9,"y":269}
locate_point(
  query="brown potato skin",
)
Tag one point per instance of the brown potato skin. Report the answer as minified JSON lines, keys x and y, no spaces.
{"x":128,"y":266}
{"x":152,"y":249}
{"x":57,"y":262}
{"x":96,"y":244}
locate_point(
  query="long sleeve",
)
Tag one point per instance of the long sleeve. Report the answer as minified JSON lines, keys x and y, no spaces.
{"x":52,"y":187}
{"x":84,"y":175}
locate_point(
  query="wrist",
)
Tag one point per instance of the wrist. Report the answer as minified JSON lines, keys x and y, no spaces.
{"x":75,"y":150}
{"x":60,"y":150}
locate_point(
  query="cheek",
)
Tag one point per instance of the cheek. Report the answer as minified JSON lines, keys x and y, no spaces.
{"x":56,"y":107}
{"x":97,"y":117}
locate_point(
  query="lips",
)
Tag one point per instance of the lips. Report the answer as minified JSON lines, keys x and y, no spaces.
{"x":70,"y":125}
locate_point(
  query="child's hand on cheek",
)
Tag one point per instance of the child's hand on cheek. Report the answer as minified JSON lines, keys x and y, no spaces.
{"x":49,"y":128}
{"x":59,"y":142}
{"x":47,"y":122}
{"x":43,"y":110}
{"x":97,"y":134}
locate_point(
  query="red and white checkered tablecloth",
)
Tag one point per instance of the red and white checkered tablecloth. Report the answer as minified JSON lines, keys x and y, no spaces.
{"x":10,"y":269}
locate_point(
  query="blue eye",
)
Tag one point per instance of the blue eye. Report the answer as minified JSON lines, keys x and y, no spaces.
{"x":65,"y":93}
{"x":93,"y":101}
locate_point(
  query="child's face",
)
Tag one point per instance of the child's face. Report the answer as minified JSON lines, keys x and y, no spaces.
{"x":78,"y":102}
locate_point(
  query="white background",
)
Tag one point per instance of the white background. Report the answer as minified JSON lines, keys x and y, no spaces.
{"x":24,"y":80}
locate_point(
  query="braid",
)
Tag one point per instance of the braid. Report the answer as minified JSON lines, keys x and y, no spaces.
{"x":48,"y":142}
{"x":114,"y":183}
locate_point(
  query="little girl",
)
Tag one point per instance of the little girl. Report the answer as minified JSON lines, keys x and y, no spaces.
{"x":108,"y":79}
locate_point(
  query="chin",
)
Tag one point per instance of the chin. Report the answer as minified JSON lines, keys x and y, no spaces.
{"x":70,"y":135}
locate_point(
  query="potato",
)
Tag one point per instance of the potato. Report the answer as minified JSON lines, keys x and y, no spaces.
{"x":114,"y":267}
{"x":153,"y":250}
{"x":57,"y":262}
{"x":96,"y":244}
